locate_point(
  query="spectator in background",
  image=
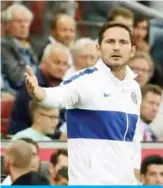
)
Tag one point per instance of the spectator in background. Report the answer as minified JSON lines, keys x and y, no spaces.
{"x":62,"y":176}
{"x":84,"y":55}
{"x":152,"y":170}
{"x":63,"y":30}
{"x":35,"y":163}
{"x":44,"y":122}
{"x":151,"y":100}
{"x":140,"y":34}
{"x":16,"y":51}
{"x":18,"y":158}
{"x":53,"y":67}
{"x":58,"y":160}
{"x":143,"y":66}
{"x":122,"y":15}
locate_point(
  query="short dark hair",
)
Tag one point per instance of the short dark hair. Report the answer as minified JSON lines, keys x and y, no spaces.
{"x":151,"y":88}
{"x":150,"y":160}
{"x":30,"y":141}
{"x":109,"y":25}
{"x":55,"y":155}
{"x":63,"y":172}
{"x":120,"y":11}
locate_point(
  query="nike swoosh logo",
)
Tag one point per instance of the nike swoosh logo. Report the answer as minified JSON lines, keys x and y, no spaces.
{"x":107,"y":94}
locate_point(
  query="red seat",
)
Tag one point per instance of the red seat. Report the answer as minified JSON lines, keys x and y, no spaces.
{"x":6,"y":108}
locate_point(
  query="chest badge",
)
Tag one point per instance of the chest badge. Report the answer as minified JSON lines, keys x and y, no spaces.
{"x":134,"y":98}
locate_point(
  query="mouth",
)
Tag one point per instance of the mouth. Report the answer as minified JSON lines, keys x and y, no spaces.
{"x":116,"y":56}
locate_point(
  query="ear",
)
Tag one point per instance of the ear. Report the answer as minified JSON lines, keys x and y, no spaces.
{"x":142,"y":178}
{"x":133,"y":51}
{"x":98,"y":47}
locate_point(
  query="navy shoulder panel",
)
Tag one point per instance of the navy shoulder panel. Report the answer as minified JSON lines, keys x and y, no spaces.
{"x":82,"y":73}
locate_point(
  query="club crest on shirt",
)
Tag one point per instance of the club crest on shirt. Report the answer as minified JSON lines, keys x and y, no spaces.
{"x":134,"y":98}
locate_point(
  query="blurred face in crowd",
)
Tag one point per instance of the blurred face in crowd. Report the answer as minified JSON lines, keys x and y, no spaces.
{"x":62,"y":162}
{"x":35,"y":159}
{"x":85,"y":57}
{"x":56,"y":64}
{"x":116,"y":48}
{"x":140,"y":30}
{"x":65,"y":30}
{"x":141,"y":67}
{"x":150,"y":106}
{"x":154,"y":175}
{"x":126,"y":21}
{"x":19,"y":26}
{"x":46,"y":120}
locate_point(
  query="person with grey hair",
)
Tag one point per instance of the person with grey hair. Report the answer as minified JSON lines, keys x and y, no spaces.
{"x":84,"y":54}
{"x":16,"y":51}
{"x":53,"y":67}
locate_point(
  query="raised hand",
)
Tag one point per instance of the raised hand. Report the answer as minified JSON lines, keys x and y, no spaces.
{"x":36,"y":92}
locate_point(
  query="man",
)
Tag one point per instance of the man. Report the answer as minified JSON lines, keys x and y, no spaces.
{"x":44,"y":122}
{"x":18,"y":158}
{"x":84,"y":54}
{"x":122,"y":15}
{"x":103,"y":132}
{"x":53,"y":67}
{"x":16,"y":50}
{"x":152,"y":170}
{"x":143,"y":66}
{"x":58,"y":160}
{"x":63,"y":30}
{"x":35,"y":163}
{"x":151,"y":100}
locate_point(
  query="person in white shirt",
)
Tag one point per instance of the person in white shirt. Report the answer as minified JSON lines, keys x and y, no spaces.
{"x":103,"y":107}
{"x":44,"y":122}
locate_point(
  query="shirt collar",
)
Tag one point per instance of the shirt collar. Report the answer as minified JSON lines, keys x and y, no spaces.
{"x":102,"y":66}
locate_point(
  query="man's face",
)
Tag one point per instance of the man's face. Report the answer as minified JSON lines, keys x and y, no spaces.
{"x":142,"y":68}
{"x":154,"y":175}
{"x":150,"y":106}
{"x":47,"y":120}
{"x":19,"y":26}
{"x":116,"y":48}
{"x":35,"y":164}
{"x":85,"y":58}
{"x":126,"y":21}
{"x":65,"y":31}
{"x":56,"y":64}
{"x":140,"y":30}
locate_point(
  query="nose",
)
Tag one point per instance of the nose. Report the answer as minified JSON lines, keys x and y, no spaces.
{"x":116,"y":46}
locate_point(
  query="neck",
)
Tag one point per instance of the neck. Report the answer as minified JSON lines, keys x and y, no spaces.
{"x":119,"y":73}
{"x":37,"y":128}
{"x":16,"y":173}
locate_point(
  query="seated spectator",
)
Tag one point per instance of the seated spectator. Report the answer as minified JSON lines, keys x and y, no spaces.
{"x":84,"y":54}
{"x":140,"y":34}
{"x":143,"y":67}
{"x":35,"y":163}
{"x":122,"y":15}
{"x":18,"y":158}
{"x":152,"y":170}
{"x":16,"y":51}
{"x":62,"y":176}
{"x":53,"y":67}
{"x":151,"y":100}
{"x":44,"y":122}
{"x":63,"y":30}
{"x":58,"y":160}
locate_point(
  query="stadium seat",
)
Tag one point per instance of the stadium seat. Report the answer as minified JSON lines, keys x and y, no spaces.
{"x":6,"y":108}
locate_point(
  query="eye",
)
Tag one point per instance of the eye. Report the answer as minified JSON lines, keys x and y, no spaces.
{"x":123,"y":42}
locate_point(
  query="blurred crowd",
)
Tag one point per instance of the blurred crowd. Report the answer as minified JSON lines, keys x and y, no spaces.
{"x":63,"y":53}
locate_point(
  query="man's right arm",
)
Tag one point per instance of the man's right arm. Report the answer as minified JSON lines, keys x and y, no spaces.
{"x":56,"y":97}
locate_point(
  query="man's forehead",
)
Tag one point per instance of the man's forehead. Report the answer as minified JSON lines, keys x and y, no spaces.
{"x":116,"y":33}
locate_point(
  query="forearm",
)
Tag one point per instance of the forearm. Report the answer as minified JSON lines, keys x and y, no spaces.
{"x":58,"y":97}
